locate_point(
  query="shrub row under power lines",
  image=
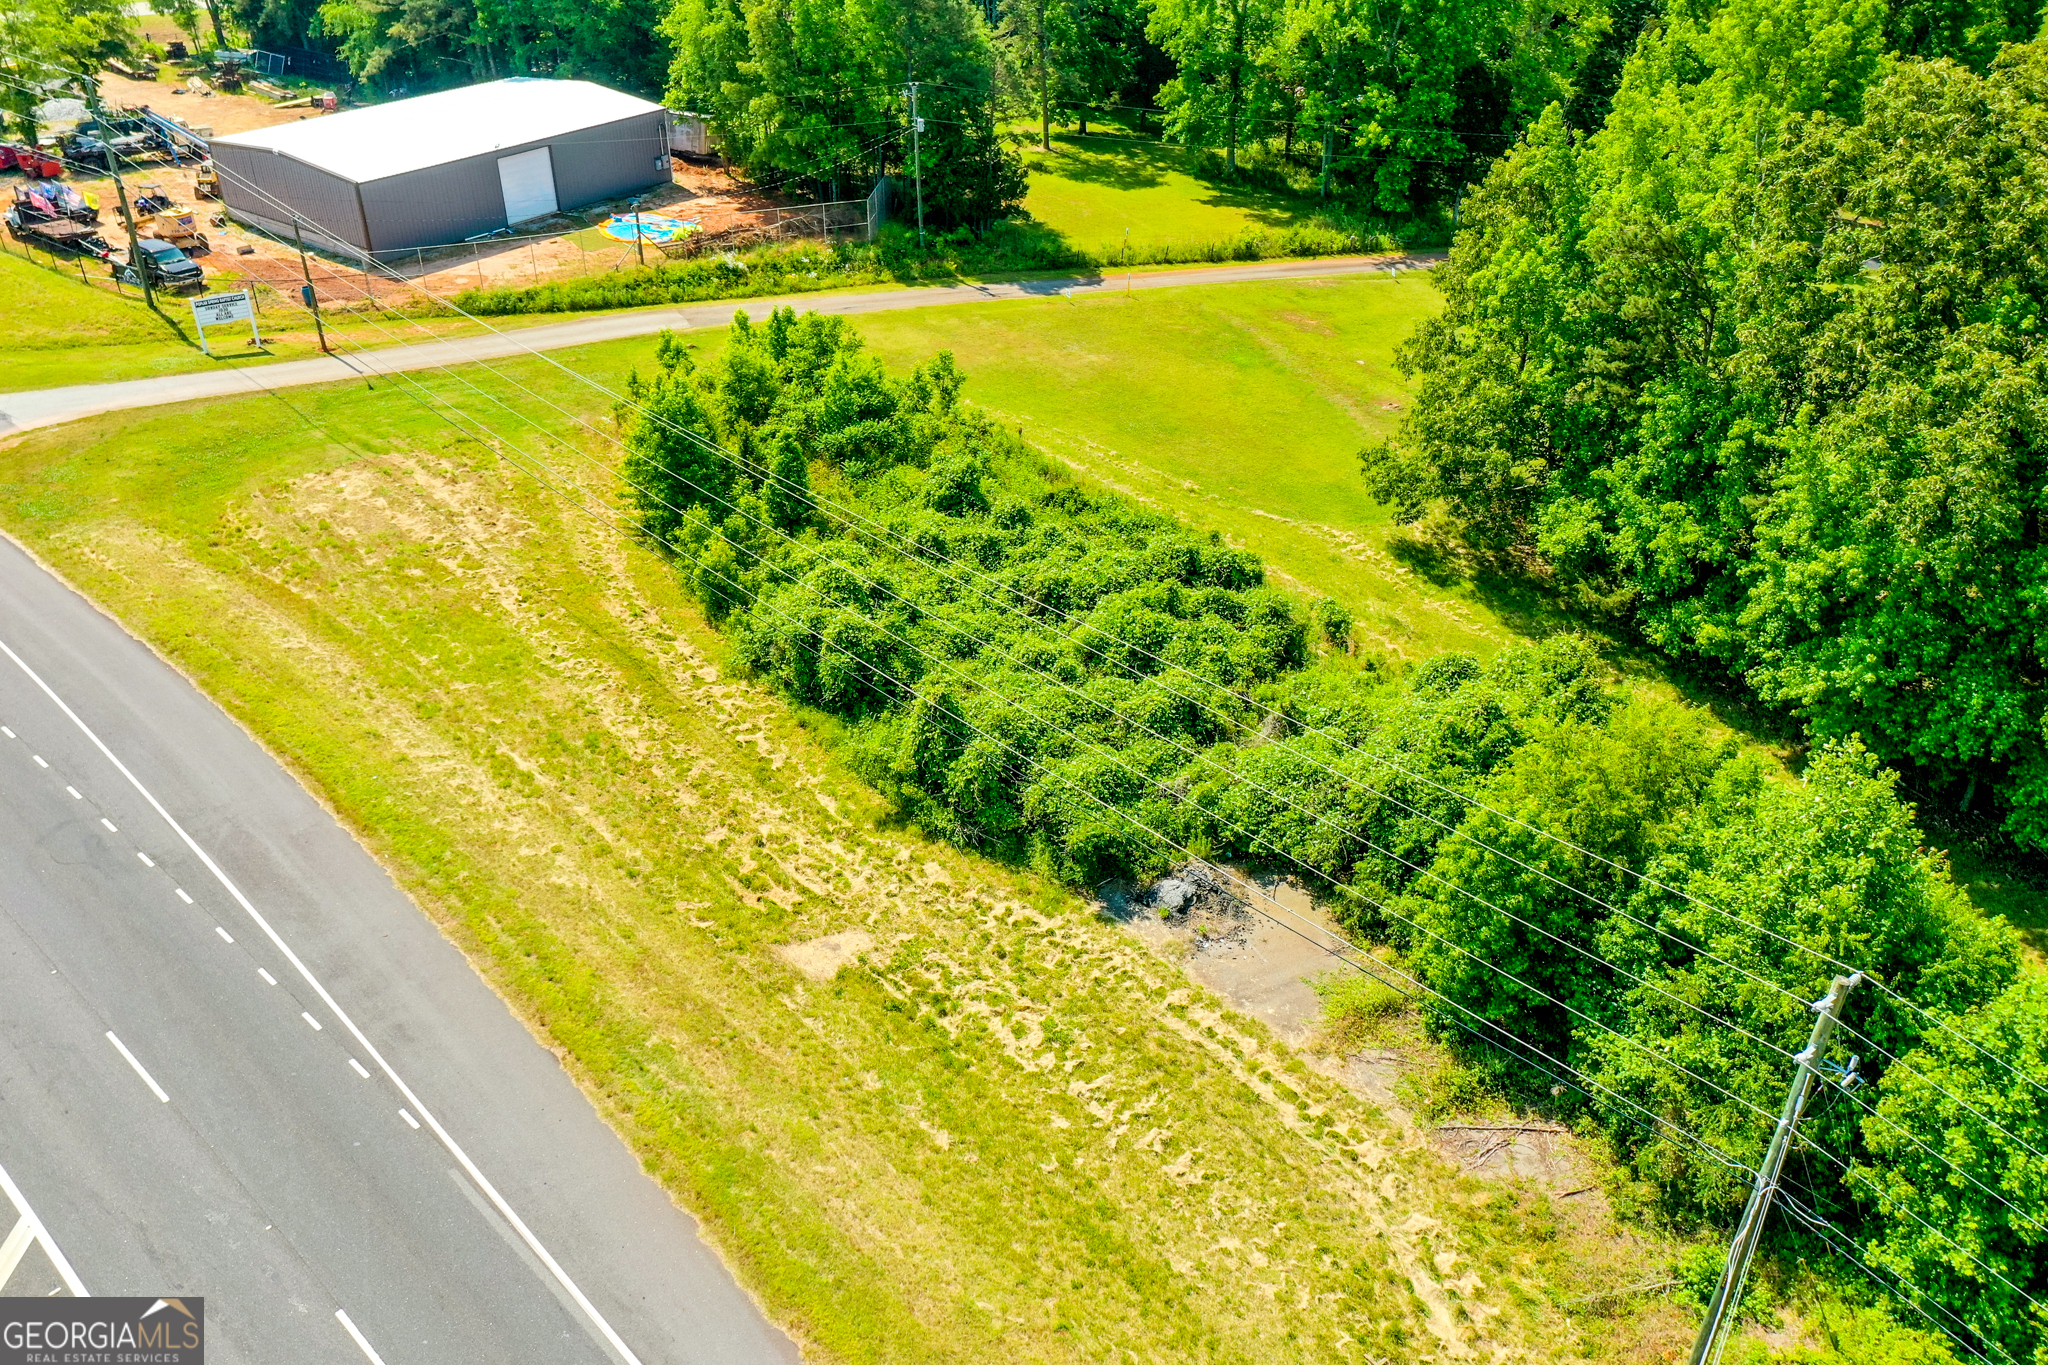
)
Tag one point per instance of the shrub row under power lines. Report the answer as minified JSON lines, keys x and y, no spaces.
{"x":1069,"y":681}
{"x":804,"y":268}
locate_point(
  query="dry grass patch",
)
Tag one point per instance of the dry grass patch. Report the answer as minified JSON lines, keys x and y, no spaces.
{"x":999,"y":1127}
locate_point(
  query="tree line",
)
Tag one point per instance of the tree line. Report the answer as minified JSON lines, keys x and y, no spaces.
{"x":1065,"y":680}
{"x":1756,"y":371}
{"x":1390,"y":105}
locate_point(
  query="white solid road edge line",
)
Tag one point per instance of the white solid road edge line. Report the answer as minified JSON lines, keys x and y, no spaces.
{"x":147,"y":1079}
{"x":14,"y":1247}
{"x":360,"y":1339}
{"x":490,"y":1191}
{"x":64,"y":1270}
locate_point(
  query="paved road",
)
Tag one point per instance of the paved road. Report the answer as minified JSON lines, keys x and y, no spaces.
{"x":237,"y":1062}
{"x":44,"y":407}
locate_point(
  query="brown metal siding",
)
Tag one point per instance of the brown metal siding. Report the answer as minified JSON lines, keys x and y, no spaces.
{"x":611,"y":159}
{"x":435,"y":204}
{"x":326,"y":202}
{"x":459,"y":199}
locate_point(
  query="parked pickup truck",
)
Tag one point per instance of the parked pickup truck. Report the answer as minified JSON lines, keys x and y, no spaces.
{"x":168,"y":267}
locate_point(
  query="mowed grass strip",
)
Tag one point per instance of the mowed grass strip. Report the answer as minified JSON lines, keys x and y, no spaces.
{"x":56,"y":330}
{"x":1102,"y":189}
{"x":1008,"y":1131}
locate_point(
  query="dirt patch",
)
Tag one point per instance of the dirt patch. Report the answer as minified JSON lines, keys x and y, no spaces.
{"x":224,"y":113}
{"x":1258,"y":944}
{"x":1516,"y":1151}
{"x":1261,"y":944}
{"x":821,"y":958}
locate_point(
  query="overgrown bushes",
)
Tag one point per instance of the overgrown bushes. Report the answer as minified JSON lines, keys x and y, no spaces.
{"x":1067,"y":680}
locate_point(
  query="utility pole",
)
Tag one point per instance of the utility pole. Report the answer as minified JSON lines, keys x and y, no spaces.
{"x":135,"y":256}
{"x":121,"y":194}
{"x":1728,"y":1293}
{"x":1329,"y":136}
{"x":917,"y":162}
{"x":306,"y":290}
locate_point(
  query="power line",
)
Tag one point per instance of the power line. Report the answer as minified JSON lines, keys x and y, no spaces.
{"x":837,"y":510}
{"x":899,"y":683}
{"x":1611,"y":863}
{"x":1027,"y":757}
{"x":1524,"y":985}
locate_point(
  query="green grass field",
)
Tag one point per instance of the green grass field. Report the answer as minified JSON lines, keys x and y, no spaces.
{"x":56,"y":331}
{"x":1012,"y":1132}
{"x":1092,"y":190}
{"x":1240,"y":408}
{"x":46,"y":307}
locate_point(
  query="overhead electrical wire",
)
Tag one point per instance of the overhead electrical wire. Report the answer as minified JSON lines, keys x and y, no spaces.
{"x":900,"y":684}
{"x":1384,"y":761}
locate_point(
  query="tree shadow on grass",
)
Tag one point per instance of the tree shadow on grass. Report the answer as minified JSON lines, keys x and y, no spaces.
{"x":1436,"y":557}
{"x":1121,"y":162}
{"x":1525,"y":598}
{"x":1115,"y":163}
{"x":1268,"y":208}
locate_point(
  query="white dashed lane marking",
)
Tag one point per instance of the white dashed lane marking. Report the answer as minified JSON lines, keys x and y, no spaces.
{"x":311,"y":1020}
{"x":224,"y":933}
{"x":181,"y":894}
{"x":482,"y":1183}
{"x":359,"y":1068}
{"x":266,"y":976}
{"x":76,"y":795}
{"x":145,"y":858}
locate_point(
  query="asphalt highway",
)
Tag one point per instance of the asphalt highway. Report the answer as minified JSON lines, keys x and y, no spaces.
{"x":44,"y":407}
{"x":237,"y":1062}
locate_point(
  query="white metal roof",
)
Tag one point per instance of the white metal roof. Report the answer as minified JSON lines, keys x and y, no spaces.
{"x":431,"y":130}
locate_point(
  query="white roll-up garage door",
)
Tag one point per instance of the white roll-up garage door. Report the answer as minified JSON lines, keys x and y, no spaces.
{"x":529,"y":184}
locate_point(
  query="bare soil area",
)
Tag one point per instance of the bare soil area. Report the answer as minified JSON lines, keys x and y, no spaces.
{"x":222,"y":112}
{"x":1261,"y":944}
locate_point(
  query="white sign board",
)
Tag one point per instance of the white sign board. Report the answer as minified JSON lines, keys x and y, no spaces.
{"x":211,"y":310}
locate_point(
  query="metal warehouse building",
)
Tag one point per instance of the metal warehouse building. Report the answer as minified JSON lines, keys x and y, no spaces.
{"x":443,"y":167}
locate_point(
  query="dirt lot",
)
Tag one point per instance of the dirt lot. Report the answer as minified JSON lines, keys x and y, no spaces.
{"x":730,"y":213}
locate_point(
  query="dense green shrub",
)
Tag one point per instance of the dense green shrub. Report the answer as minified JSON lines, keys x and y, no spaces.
{"x":1068,"y":680}
{"x":1960,"y":1104}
